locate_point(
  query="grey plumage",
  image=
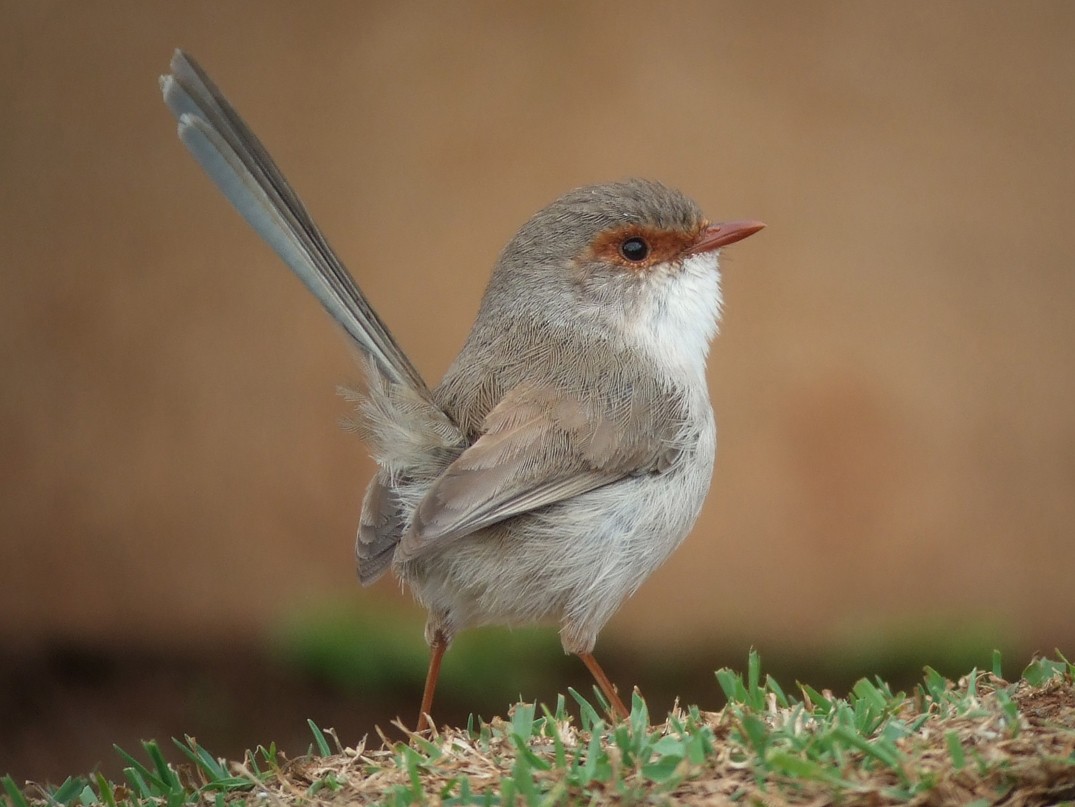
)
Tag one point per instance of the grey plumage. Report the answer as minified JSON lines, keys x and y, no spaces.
{"x":569,"y":447}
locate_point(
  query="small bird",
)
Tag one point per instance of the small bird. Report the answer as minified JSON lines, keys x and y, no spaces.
{"x":570,"y":445}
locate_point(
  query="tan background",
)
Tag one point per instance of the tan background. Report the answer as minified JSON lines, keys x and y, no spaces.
{"x":894,"y":382}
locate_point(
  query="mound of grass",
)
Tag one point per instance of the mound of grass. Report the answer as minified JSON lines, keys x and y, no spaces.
{"x":976,"y":741}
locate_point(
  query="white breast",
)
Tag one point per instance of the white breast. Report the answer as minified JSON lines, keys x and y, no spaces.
{"x":678,"y":316}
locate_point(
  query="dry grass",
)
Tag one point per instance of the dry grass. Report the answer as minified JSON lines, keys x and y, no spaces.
{"x":978,"y":741}
{"x":1031,"y":766}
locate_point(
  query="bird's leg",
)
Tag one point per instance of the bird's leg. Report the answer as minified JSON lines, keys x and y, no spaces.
{"x":437,"y":648}
{"x":619,"y":711}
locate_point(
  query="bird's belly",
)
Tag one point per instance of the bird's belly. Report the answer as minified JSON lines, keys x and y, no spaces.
{"x":574,"y":562}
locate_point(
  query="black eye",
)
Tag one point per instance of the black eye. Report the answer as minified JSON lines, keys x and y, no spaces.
{"x":635,"y":249}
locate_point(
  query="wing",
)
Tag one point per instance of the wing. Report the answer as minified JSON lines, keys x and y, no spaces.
{"x":542,"y":446}
{"x":413,"y":442}
{"x":379,"y":529}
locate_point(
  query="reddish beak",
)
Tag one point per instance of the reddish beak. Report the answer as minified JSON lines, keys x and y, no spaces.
{"x":722,"y":234}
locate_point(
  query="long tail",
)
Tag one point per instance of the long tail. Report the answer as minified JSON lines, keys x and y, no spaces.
{"x":243,"y":170}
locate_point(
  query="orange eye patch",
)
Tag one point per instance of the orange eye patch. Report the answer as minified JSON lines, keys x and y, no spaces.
{"x":639,"y":247}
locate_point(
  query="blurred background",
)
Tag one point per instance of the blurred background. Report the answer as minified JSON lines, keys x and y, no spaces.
{"x":894,"y":381}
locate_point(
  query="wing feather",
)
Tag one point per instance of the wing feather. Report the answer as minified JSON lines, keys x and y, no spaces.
{"x":540,"y":446}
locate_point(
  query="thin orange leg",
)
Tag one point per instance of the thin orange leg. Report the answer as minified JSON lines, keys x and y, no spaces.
{"x":440,"y":644}
{"x":619,"y":711}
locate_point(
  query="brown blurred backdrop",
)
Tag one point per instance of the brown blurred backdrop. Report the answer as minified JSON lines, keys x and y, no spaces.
{"x":894,"y":382}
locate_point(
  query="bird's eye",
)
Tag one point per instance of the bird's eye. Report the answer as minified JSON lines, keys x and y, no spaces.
{"x":634,"y":249}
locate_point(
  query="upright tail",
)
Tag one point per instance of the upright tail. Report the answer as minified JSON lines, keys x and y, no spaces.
{"x":243,"y":170}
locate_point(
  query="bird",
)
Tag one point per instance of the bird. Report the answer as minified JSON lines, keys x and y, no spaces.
{"x":569,"y":447}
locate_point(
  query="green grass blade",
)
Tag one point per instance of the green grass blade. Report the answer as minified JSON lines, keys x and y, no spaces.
{"x":202,"y":759}
{"x":13,"y":792}
{"x":587,"y":714}
{"x":955,"y":749}
{"x":522,"y":721}
{"x":165,"y":774}
{"x":885,"y":753}
{"x":71,"y":788}
{"x":139,"y":784}
{"x":319,"y":738}
{"x":731,"y":685}
{"x":756,"y":733}
{"x":1070,"y":667}
{"x":817,"y":700}
{"x":798,"y":767}
{"x":552,"y":731}
{"x":772,"y":686}
{"x":756,"y":693}
{"x":106,"y":789}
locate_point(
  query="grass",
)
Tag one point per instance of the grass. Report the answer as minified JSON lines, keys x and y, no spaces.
{"x":976,"y":741}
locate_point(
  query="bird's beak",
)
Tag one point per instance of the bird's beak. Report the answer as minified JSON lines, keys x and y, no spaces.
{"x":722,"y":234}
